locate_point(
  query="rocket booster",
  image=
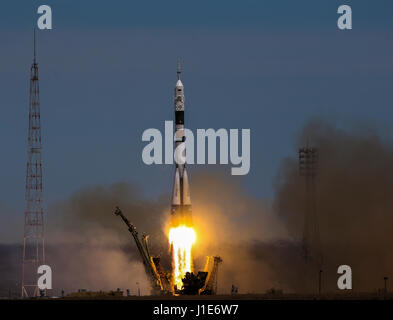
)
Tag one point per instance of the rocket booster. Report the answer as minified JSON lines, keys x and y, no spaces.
{"x":181,"y":200}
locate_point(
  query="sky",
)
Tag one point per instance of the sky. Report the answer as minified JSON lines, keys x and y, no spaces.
{"x":107,"y":71}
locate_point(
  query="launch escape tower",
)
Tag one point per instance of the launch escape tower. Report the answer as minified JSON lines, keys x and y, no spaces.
{"x":33,"y":244}
{"x":308,"y":161}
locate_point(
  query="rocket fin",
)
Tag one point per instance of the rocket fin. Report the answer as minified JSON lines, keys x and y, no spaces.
{"x":186,"y":189}
{"x":176,"y":189}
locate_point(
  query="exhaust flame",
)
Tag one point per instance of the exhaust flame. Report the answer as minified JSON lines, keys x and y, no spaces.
{"x":181,"y":238}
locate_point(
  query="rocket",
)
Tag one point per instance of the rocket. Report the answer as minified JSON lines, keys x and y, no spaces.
{"x":181,"y":200}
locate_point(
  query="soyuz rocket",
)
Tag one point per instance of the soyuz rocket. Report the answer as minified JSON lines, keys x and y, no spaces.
{"x":181,"y":200}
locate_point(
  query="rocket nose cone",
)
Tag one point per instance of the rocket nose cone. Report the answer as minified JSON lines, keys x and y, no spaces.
{"x":179,"y":83}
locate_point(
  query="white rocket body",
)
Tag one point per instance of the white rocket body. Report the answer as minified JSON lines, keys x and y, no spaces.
{"x":181,"y":200}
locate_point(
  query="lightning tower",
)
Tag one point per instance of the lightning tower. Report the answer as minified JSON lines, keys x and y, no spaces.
{"x":308,"y":160}
{"x":33,"y":244}
{"x":311,"y":246}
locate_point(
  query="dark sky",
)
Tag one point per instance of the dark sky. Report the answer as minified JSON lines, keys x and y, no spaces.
{"x":108,"y":68}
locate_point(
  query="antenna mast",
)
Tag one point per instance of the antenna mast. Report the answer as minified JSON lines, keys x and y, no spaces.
{"x":33,"y":244}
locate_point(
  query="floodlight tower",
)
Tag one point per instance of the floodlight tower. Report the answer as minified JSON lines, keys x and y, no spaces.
{"x":33,"y":244}
{"x":308,"y":162}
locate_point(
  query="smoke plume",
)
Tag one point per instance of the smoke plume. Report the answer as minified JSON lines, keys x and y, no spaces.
{"x":94,"y":249}
{"x":260,"y":243}
{"x":354,"y":201}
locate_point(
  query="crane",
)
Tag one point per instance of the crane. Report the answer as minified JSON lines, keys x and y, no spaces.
{"x":160,"y":283}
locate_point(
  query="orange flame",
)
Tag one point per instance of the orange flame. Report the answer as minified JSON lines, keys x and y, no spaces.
{"x":181,"y":238}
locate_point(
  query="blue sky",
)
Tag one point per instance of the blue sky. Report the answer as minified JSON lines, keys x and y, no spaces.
{"x":202,"y":13}
{"x":107,"y":72}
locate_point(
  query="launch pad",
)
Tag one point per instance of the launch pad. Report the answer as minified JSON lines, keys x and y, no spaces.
{"x":202,"y":283}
